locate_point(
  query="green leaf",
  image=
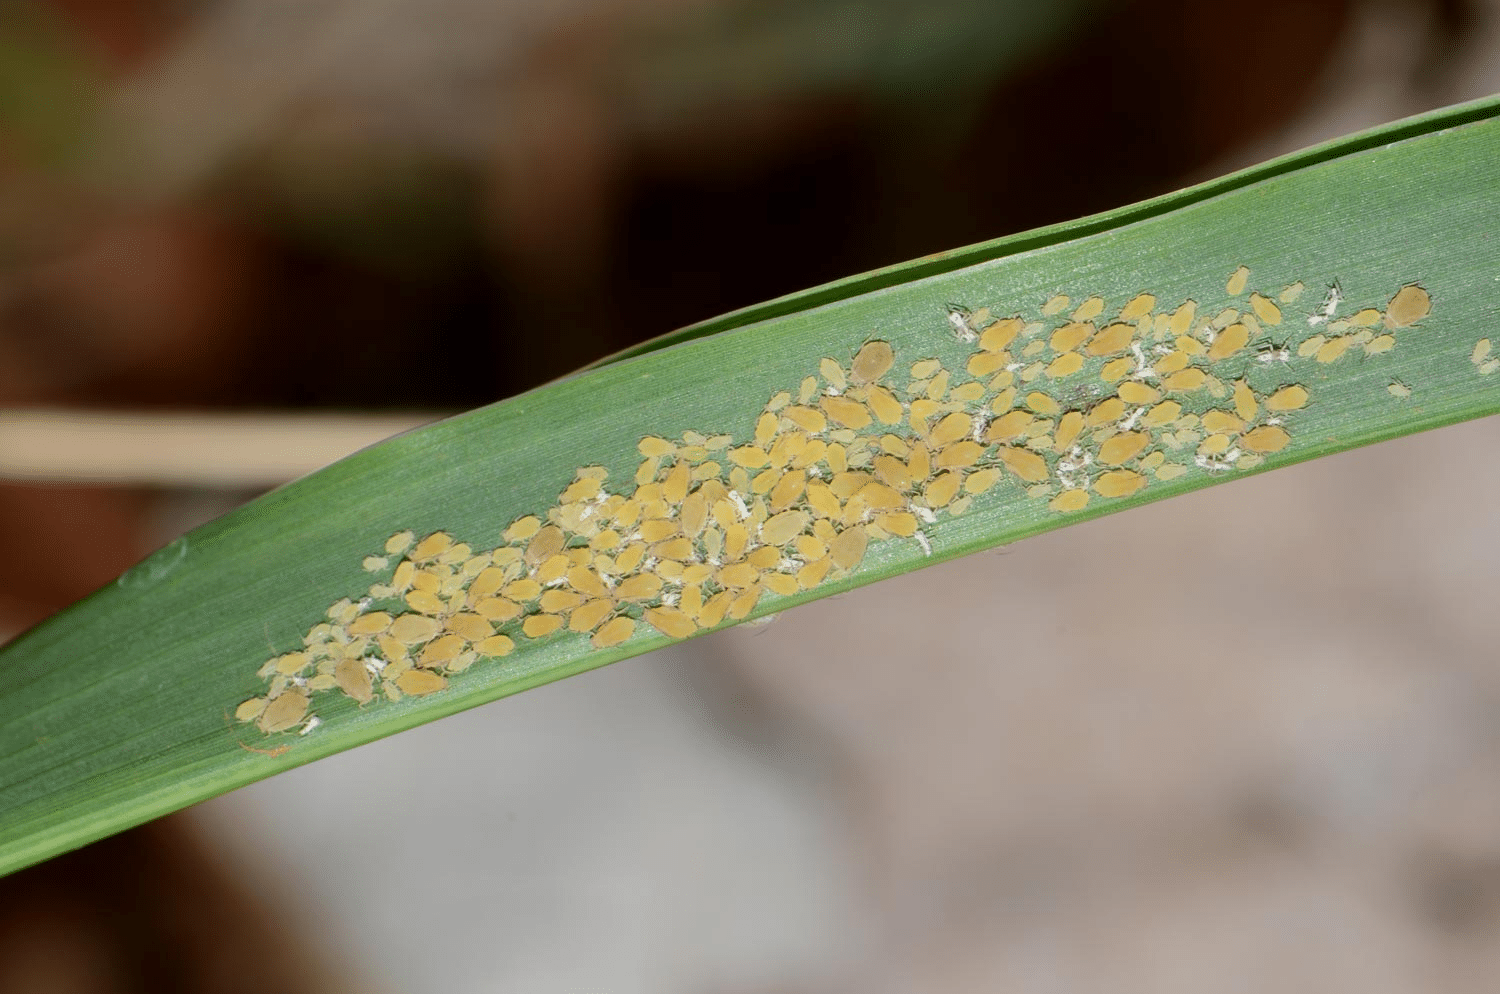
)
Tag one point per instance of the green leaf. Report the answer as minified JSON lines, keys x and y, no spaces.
{"x":121,"y":708}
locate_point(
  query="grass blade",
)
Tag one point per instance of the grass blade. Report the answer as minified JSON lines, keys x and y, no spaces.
{"x":122,"y":707}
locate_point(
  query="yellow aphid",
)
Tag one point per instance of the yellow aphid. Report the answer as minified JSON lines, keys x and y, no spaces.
{"x":539,"y":626}
{"x":1029,"y":466}
{"x":1237,"y":281}
{"x":432,"y":546}
{"x":1070,"y":336}
{"x":419,"y":683}
{"x":847,"y":412}
{"x":674,"y":486}
{"x":1182,"y":319}
{"x":822,"y":500}
{"x":784,"y":584}
{"x":714,"y":609}
{"x":1229,"y":341}
{"x":1033,"y":371}
{"x":1117,"y":369}
{"x":1138,"y":393}
{"x":981,"y":481}
{"x":1291,"y":293}
{"x":374,"y":564}
{"x":1119,"y":483}
{"x":765,"y":429}
{"x":558,"y":601}
{"x":343,"y":611}
{"x":950,"y":429}
{"x":1056,"y":305}
{"x":1222,"y":422}
{"x":922,"y":410}
{"x":1164,"y":413}
{"x":764,"y":556}
{"x":1481,"y":351}
{"x":885,"y":405}
{"x":809,"y":419}
{"x":1410,"y":305}
{"x":1244,"y":401}
{"x":586,"y":488}
{"x":613,"y":632}
{"x":1042,"y":403}
{"x":1172,"y":471}
{"x":426,"y":602}
{"x":997,"y":336}
{"x":782,"y":528}
{"x":1289,"y":398}
{"x":808,"y":390}
{"x":1190,"y":345}
{"x":959,"y":455}
{"x":787,"y":490}
{"x":370,"y":624}
{"x":847,"y":550}
{"x":283,"y":711}
{"x":1065,"y":365}
{"x":1311,"y":346}
{"x":353,"y":678}
{"x":1264,"y":309}
{"x":656,"y":530}
{"x":1398,"y":390}
{"x":1379,"y":344}
{"x":1105,"y":412}
{"x":646,"y":471}
{"x":545,"y":544}
{"x":1154,"y":460}
{"x":968,"y":393}
{"x":470,"y":626}
{"x":1111,"y":339}
{"x":1089,"y":309}
{"x":743,"y":603}
{"x":919,"y":465}
{"x":587,"y":616}
{"x":1172,"y":362}
{"x":553,"y":569}
{"x":902,"y":523}
{"x":879,"y":497}
{"x":814,"y":573}
{"x":937,"y":387}
{"x":1367,"y":318}
{"x":924,"y":368}
{"x":522,"y":590}
{"x":655,"y":448}
{"x":440,"y":650}
{"x":670,"y":621}
{"x":640,"y":587}
{"x":749,"y":456}
{"x":1214,"y":445}
{"x":1139,"y":306}
{"x":1334,"y":348}
{"x":892,"y":472}
{"x":982,"y":364}
{"x":788,"y":446}
{"x":292,"y":663}
{"x":1187,"y":379}
{"x":497,"y":609}
{"x":1070,"y":500}
{"x":873,"y":360}
{"x":960,"y":506}
{"x":942,"y":489}
{"x":1266,"y":438}
{"x":399,"y":542}
{"x":250,"y":710}
{"x":833,"y":373}
{"x":1067,"y":430}
{"x":1123,"y":447}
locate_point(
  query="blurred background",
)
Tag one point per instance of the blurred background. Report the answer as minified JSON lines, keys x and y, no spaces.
{"x":239,"y":238}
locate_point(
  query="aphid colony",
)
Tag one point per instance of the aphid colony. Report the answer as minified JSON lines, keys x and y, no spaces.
{"x":1076,"y":406}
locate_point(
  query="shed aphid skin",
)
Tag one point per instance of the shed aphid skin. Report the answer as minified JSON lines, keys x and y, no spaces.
{"x":1071,"y":403}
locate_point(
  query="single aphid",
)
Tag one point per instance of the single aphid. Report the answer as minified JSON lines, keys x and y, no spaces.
{"x":1237,"y":281}
{"x":873,"y":360}
{"x":418,"y":683}
{"x":1398,"y":390}
{"x":353,"y":678}
{"x":1056,"y":305}
{"x":1288,"y":398}
{"x":1070,"y":500}
{"x":283,"y":711}
{"x":1410,"y":305}
{"x":1089,"y":309}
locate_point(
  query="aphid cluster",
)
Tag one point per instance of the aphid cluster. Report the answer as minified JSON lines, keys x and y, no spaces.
{"x":1078,"y":405}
